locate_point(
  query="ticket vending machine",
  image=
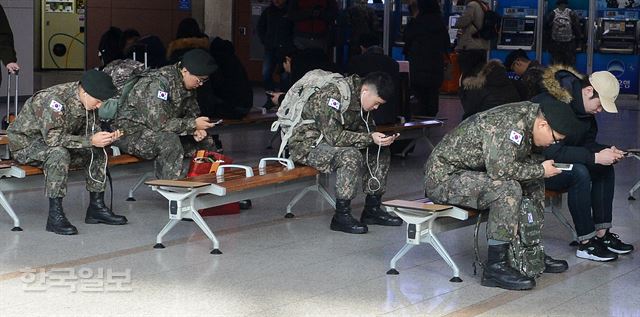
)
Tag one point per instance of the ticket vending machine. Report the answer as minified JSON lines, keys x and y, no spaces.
{"x":63,"y":34}
{"x":616,"y":46}
{"x":617,"y":36}
{"x":517,"y":32}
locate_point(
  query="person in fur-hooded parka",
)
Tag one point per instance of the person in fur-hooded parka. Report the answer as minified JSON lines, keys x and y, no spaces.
{"x":591,"y":182}
{"x":487,"y":88}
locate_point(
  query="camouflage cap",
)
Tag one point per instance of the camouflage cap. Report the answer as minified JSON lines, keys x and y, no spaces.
{"x":561,"y":117}
{"x":98,"y":84}
{"x":199,"y":62}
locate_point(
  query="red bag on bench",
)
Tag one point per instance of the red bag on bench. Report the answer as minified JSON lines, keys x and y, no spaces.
{"x":207,"y":162}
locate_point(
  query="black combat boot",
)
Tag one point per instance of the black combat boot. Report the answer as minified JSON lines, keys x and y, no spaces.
{"x":498,"y":272}
{"x":373,"y":214}
{"x":344,"y":221}
{"x":552,"y":265}
{"x":57,"y":222}
{"x":97,"y":212}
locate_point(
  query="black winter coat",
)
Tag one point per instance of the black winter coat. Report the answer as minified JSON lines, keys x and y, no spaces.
{"x":563,"y":83}
{"x":489,"y":88}
{"x":426,"y":41}
{"x":275,"y":30}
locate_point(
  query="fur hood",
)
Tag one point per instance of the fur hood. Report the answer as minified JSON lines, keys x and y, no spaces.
{"x":479,"y":80}
{"x":187,"y":43}
{"x":556,"y":80}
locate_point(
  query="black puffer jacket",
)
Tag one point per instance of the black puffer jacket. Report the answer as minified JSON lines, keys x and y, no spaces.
{"x":562,"y":83}
{"x":489,"y":88}
{"x":228,"y":93}
{"x":426,"y":43}
{"x":275,"y":30}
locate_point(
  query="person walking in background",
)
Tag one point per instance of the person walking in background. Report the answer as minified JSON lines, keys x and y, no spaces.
{"x":563,"y":31}
{"x":276,"y":34}
{"x":426,"y":43}
{"x":362,"y":20}
{"x":472,"y":49}
{"x":313,"y":21}
{"x":7,"y":50}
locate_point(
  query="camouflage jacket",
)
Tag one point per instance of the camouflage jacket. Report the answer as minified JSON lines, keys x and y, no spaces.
{"x":352,"y":132}
{"x":159,"y":102}
{"x":56,"y":117}
{"x":498,"y":141}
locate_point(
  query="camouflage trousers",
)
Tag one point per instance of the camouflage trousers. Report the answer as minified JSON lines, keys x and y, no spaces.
{"x":478,"y":191}
{"x":167,"y":149}
{"x":350,"y":168}
{"x":55,"y":162}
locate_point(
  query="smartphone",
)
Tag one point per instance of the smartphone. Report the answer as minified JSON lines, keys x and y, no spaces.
{"x":218,"y":122}
{"x":269,"y":93}
{"x":563,"y":166}
{"x":395,"y":135}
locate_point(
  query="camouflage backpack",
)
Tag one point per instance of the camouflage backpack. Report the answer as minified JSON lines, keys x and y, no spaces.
{"x":561,"y":30}
{"x":526,"y":253}
{"x":125,"y":73}
{"x":290,"y":111}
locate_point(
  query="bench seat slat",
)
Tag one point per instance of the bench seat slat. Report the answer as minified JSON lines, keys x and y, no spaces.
{"x":243,"y":183}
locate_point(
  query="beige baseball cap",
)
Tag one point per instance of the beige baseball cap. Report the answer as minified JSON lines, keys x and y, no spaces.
{"x":608,"y":88}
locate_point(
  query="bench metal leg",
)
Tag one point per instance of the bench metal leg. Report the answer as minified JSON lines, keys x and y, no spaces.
{"x":397,"y":257}
{"x":433,"y":240}
{"x":172,"y":223}
{"x":139,"y":183}
{"x":207,"y":231}
{"x":317,"y":187}
{"x":633,"y":189}
{"x":7,"y":207}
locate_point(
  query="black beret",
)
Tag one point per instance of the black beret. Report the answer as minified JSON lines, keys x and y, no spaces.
{"x":98,"y":84}
{"x":561,"y":117}
{"x":199,"y":62}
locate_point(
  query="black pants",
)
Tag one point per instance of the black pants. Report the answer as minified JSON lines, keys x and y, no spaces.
{"x":563,"y":53}
{"x":590,"y":191}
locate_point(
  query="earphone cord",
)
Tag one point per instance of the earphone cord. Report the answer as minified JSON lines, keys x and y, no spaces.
{"x":104,"y":178}
{"x":373,"y":181}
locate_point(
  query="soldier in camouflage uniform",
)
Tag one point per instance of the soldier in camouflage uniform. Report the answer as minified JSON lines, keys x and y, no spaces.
{"x":487,"y":162}
{"x":341,"y":142}
{"x":57,"y":129}
{"x":158,"y":116}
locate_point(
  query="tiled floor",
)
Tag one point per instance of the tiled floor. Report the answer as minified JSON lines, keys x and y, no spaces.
{"x":274,"y":266}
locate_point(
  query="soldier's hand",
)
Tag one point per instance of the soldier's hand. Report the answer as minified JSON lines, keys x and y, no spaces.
{"x":549,"y":169}
{"x":202,"y":123}
{"x":381,"y":139}
{"x":199,"y":135}
{"x":608,"y":156}
{"x":101,"y":139}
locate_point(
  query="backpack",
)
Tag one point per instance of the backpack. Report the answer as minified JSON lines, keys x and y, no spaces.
{"x":490,"y":24}
{"x":124,"y":73}
{"x":526,"y":253}
{"x":290,"y":111}
{"x":561,"y":30}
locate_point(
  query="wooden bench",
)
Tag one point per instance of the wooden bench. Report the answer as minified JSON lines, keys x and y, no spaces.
{"x":425,"y":219}
{"x":415,"y":130}
{"x":9,"y":168}
{"x":188,"y":195}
